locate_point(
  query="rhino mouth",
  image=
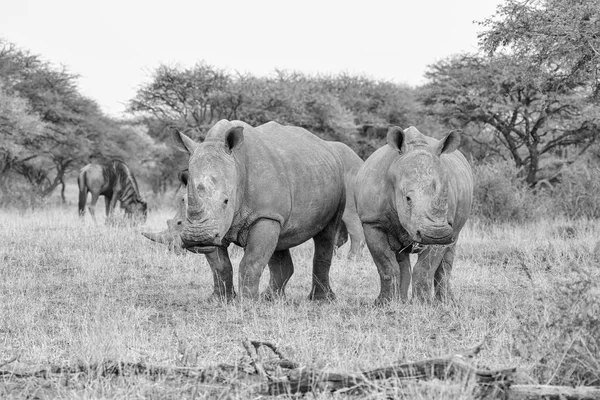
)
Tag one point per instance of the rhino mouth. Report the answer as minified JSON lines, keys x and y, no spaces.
{"x":427,"y":240}
{"x":196,"y":247}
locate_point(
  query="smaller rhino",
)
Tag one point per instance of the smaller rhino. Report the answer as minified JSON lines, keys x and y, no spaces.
{"x":351,"y":225}
{"x":171,"y":237}
{"x":414,"y":195}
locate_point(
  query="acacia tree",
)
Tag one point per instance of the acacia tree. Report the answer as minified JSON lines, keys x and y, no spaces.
{"x":560,"y":36}
{"x":524,"y":112}
{"x":65,"y":129}
{"x":187,"y":99}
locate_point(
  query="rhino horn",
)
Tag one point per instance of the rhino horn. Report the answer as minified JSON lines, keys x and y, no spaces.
{"x":161,"y":237}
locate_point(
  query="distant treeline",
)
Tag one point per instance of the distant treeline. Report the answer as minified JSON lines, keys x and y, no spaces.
{"x":529,"y":100}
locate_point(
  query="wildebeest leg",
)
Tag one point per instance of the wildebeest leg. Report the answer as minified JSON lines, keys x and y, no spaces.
{"x":282,"y":268}
{"x":110,"y":209}
{"x":260,"y":246}
{"x":424,"y":271}
{"x":324,"y":245}
{"x":92,"y":206}
{"x":222,"y":271}
{"x":387,"y":264}
{"x":441,"y":278}
{"x":107,"y":200}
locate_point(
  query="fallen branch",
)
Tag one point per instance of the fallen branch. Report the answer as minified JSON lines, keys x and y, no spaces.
{"x":278,"y":375}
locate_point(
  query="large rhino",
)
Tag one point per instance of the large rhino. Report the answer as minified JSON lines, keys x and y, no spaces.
{"x":266,"y":189}
{"x":414,"y":195}
{"x":349,"y":227}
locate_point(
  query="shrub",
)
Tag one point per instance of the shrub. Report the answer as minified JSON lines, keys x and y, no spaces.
{"x":560,"y":335}
{"x":578,"y":193}
{"x":500,"y":195}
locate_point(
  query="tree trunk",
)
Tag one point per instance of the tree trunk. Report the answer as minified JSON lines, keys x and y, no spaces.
{"x":62,"y":191}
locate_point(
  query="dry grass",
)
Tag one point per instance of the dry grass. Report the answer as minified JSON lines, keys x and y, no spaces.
{"x":74,"y":293}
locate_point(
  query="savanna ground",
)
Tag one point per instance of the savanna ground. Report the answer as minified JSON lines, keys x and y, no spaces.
{"x":72,"y":293}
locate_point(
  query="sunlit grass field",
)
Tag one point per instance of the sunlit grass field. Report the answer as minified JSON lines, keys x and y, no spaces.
{"x":75,"y":293}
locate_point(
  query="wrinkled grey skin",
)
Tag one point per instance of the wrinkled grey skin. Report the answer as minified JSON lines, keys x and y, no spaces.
{"x":414,"y":195}
{"x":265,"y":189}
{"x":351,"y":225}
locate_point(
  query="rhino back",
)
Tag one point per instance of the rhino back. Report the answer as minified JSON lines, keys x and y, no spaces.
{"x":374,"y":192}
{"x":294,"y":177}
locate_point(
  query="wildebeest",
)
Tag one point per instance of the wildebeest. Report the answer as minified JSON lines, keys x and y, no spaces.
{"x":115,"y":181}
{"x":349,"y":227}
{"x":266,"y":189}
{"x":414,"y":195}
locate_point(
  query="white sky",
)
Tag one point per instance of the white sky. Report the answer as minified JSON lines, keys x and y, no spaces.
{"x":114,"y":45}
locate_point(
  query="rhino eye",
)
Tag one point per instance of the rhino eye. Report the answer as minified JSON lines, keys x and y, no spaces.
{"x":408,"y":200}
{"x":226,"y":201}
{"x":178,"y":222}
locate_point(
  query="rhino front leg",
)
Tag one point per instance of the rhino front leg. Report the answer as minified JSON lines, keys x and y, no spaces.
{"x":441,"y":278}
{"x":222,"y":271}
{"x":262,"y":240}
{"x":387,"y":265}
{"x":424,"y":271}
{"x":281,"y":268}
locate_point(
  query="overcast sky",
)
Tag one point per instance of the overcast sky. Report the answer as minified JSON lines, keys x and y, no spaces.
{"x":114,"y":45}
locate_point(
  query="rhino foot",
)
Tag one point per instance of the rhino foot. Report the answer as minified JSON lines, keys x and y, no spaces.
{"x":270,"y":295}
{"x":322,"y":296}
{"x":217,"y":297}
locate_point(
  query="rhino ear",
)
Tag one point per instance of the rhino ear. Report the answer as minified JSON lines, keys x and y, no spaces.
{"x":183,"y":176}
{"x":184,"y":143}
{"x":449,"y":143}
{"x":396,"y":139}
{"x":234,"y":138}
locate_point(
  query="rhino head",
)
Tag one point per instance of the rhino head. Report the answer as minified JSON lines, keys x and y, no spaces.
{"x":420,"y":185}
{"x":172,"y":235}
{"x":212,"y":186}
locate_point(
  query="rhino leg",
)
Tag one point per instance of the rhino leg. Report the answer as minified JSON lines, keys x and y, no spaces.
{"x":441,"y":278}
{"x":262,"y":240}
{"x":391,"y":278}
{"x":357,"y":237}
{"x":425,"y":270}
{"x":222,"y":271}
{"x":324,"y":246}
{"x":281,"y":268}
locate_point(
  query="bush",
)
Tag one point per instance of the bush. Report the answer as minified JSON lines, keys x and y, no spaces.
{"x":500,"y":195}
{"x":578,"y":193}
{"x":560,"y":336}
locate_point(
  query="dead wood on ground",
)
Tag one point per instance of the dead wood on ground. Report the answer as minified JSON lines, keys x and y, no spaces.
{"x":279,"y":375}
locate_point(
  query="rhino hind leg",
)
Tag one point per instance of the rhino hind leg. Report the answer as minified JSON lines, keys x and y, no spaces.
{"x":222,"y":271}
{"x":324,"y":246}
{"x":281,"y":268}
{"x":441,"y":278}
{"x":426,"y":270}
{"x":393,"y":283}
{"x":357,"y":237}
